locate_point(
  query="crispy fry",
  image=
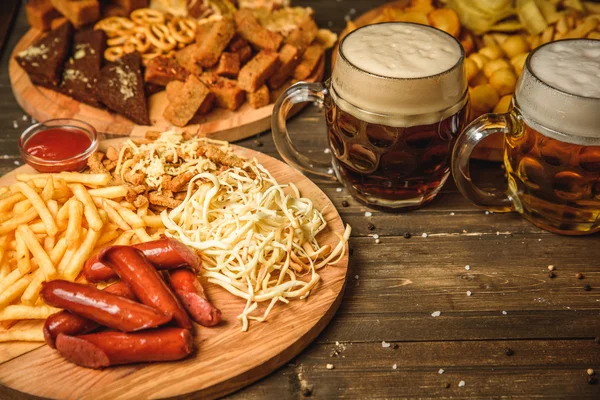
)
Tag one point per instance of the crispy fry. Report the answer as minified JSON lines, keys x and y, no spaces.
{"x":129,"y":216}
{"x":107,"y":237}
{"x":113,"y":215}
{"x":111,"y":192}
{"x":91,"y":212}
{"x":23,"y":261}
{"x":14,"y":291}
{"x":15,"y":221}
{"x":44,"y":262}
{"x":9,"y":202}
{"x":153,"y":221}
{"x":142,"y":235}
{"x":29,"y":335}
{"x":21,"y":207}
{"x":74,"y":224}
{"x":27,"y":312}
{"x":40,"y":206}
{"x":71,"y":177}
{"x":57,"y":253}
{"x":124,"y":239}
{"x":48,"y":190}
{"x":83,"y":252}
{"x":31,"y":294}
{"x":62,"y":217}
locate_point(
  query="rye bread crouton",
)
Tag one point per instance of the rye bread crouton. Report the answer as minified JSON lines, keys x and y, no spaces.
{"x":79,"y":13}
{"x":186,"y":102}
{"x":186,"y":58}
{"x":248,"y":27}
{"x":214,"y":42}
{"x":304,"y":34}
{"x":260,"y":98}
{"x":256,"y":72}
{"x":229,"y":65}
{"x":289,"y":58}
{"x":227,"y":93}
{"x":162,"y":70}
{"x":40,"y":14}
{"x":311,"y":58}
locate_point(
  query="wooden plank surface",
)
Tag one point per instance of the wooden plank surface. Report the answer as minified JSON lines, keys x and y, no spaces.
{"x":550,"y":324}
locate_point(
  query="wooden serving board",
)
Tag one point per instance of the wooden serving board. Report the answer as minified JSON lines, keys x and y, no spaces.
{"x":43,"y":104}
{"x":492,"y":148}
{"x":225,"y":359}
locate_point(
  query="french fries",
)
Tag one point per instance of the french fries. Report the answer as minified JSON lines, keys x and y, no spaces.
{"x":50,"y":224}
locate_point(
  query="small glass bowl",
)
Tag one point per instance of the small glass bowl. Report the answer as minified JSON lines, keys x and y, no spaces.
{"x":75,"y":163}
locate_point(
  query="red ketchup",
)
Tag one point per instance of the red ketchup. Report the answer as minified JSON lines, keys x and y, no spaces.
{"x":63,"y":147}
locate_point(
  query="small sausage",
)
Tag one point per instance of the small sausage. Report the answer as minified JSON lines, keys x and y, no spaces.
{"x":73,"y":324}
{"x":163,"y":254}
{"x":145,"y":281}
{"x":188,"y":288}
{"x":101,"y":307}
{"x":98,"y":350}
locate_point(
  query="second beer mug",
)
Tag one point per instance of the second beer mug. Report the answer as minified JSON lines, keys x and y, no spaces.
{"x":395,"y":103}
{"x":552,"y":141}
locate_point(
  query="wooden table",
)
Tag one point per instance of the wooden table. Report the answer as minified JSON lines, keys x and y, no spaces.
{"x":520,"y":334}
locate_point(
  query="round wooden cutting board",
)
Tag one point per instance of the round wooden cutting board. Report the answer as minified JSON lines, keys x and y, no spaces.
{"x":43,"y":104}
{"x":225,"y":358}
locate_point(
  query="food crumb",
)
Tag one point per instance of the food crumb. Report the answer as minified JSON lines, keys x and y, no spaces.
{"x":436,"y":313}
{"x":375,"y":236}
{"x":467,"y":267}
{"x":469,"y":293}
{"x":385,"y":344}
{"x":15,"y":124}
{"x":377,"y":241}
{"x":327,"y":150}
{"x":579,"y":275}
{"x":345,"y":203}
{"x":329,"y":366}
{"x":441,"y":371}
{"x":504,"y":312}
{"x":452,"y":213}
{"x":550,"y":267}
{"x":487,"y":213}
{"x":395,"y":366}
{"x":356,"y":277}
{"x":24,"y":118}
{"x":461,"y":384}
{"x":17,"y":162}
{"x":424,"y":235}
{"x":368,"y":214}
{"x":590,"y":372}
{"x":339,"y":190}
{"x":330,"y":171}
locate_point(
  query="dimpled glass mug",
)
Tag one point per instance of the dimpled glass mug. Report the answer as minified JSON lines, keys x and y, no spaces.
{"x":552,"y":141}
{"x":394,"y":106}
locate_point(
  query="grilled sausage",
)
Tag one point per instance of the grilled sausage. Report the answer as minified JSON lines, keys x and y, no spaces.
{"x":190,"y":292}
{"x":98,"y":350}
{"x":145,"y":281}
{"x":73,"y":324}
{"x":101,"y":307}
{"x":163,"y":254}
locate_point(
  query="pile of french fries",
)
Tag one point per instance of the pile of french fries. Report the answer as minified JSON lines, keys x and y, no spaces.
{"x":50,"y":224}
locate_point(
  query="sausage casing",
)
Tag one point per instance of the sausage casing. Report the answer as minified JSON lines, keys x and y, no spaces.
{"x":103,"y":349}
{"x":190,"y":292}
{"x":101,"y":307}
{"x":145,"y":281}
{"x":73,"y":324}
{"x":162,"y":253}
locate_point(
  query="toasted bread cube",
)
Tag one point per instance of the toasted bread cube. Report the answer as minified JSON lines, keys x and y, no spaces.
{"x":186,"y":102}
{"x":79,"y":13}
{"x":173,"y":88}
{"x":207,"y":105}
{"x":186,"y":57}
{"x":229,"y":65}
{"x":260,"y":98}
{"x":245,"y":54}
{"x":112,"y":10}
{"x":261,"y":38}
{"x":40,"y":14}
{"x":130,"y":5}
{"x":289,"y":58}
{"x":236,"y":43}
{"x":227,"y":93}
{"x":304,"y":34}
{"x":254,"y":74}
{"x":214,"y":42}
{"x":311,"y":58}
{"x":162,"y":70}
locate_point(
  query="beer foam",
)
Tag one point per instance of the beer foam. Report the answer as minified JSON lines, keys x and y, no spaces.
{"x":399,"y":74}
{"x":559,"y":90}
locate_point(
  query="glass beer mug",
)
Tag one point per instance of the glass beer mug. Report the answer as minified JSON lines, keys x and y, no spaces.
{"x":394,"y":106}
{"x":551,"y":141}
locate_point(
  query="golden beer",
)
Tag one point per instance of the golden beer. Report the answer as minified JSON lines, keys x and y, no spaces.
{"x":552,"y":141}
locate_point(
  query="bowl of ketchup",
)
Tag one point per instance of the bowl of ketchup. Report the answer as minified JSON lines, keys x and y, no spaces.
{"x":58,"y":145}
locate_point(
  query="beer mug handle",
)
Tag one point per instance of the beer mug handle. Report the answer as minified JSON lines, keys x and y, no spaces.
{"x":478,"y":130}
{"x":301,"y":92}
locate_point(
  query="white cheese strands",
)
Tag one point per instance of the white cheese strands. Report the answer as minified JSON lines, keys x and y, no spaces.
{"x":257,"y":237}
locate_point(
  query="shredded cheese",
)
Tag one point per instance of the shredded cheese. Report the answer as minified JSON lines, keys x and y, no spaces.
{"x":257,"y":237}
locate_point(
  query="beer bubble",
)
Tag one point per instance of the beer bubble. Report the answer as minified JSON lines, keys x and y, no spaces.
{"x":589,"y":159}
{"x":362,"y":159}
{"x":531,"y":172}
{"x":569,"y":185}
{"x":381,"y":135}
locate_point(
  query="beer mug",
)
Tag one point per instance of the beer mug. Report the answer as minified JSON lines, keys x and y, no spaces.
{"x":551,"y":141}
{"x":394,"y":106}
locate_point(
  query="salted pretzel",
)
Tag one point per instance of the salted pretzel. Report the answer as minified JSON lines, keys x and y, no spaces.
{"x":137,"y":42}
{"x":113,"y":53}
{"x":147,"y":16}
{"x":114,"y":26}
{"x":183,"y":29}
{"x":160,"y":37}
